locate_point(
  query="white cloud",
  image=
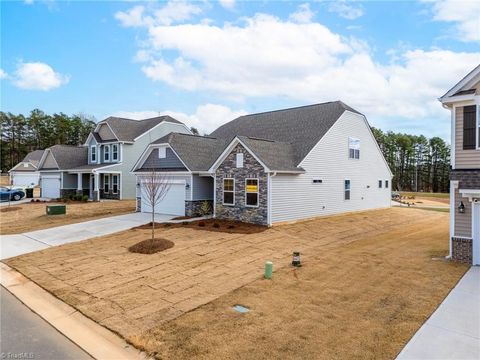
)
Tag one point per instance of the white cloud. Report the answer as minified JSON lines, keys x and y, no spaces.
{"x":38,"y":76}
{"x":3,"y":74}
{"x":303,"y":14}
{"x":345,"y":9}
{"x":227,"y":4}
{"x":206,"y":118}
{"x":465,"y":15}
{"x":172,"y":12}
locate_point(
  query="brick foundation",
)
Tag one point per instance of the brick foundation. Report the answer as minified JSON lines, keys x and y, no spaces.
{"x":462,"y":250}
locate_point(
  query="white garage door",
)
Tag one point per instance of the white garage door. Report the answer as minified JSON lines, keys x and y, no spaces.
{"x":50,"y":187}
{"x":172,"y":204}
{"x":25,"y":179}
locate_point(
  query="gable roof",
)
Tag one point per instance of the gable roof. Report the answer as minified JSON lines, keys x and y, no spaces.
{"x":197,"y":152}
{"x":300,"y":127}
{"x":69,"y":156}
{"x":34,"y":157}
{"x":129,"y":130}
{"x":463,"y":87}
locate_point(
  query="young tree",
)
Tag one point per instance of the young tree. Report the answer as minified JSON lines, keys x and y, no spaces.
{"x":155,"y":186}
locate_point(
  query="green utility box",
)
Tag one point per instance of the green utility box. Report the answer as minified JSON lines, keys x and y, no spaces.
{"x":56,"y":209}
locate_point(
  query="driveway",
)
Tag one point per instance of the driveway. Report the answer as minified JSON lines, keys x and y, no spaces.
{"x":18,"y":244}
{"x":453,"y":330}
{"x":24,"y":332}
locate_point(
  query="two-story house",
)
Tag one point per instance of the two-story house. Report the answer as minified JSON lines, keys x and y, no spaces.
{"x":101,"y":167}
{"x":463,"y":100}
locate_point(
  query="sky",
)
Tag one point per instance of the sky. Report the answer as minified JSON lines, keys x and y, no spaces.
{"x":207,"y":62}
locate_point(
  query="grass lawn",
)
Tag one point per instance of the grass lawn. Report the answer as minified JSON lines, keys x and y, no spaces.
{"x":368,"y":282}
{"x":31,"y":216}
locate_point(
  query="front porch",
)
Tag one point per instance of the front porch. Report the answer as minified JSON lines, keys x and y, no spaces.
{"x":98,"y":185}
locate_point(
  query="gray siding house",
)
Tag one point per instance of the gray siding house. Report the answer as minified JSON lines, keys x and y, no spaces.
{"x":463,"y":101}
{"x":101,"y":167}
{"x":273,"y":167}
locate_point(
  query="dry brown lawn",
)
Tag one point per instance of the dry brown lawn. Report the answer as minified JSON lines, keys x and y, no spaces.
{"x":4,"y":180}
{"x":32,"y":216}
{"x":368,"y":282}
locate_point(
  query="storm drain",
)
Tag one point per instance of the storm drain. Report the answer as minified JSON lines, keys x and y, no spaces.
{"x":241,"y":309}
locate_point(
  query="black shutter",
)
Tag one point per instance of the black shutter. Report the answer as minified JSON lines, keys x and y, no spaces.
{"x":469,"y":127}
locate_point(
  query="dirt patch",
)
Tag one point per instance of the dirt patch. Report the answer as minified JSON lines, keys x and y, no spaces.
{"x":10,"y":208}
{"x":225,"y":226}
{"x":151,"y":247}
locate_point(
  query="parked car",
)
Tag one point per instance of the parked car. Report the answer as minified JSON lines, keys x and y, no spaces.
{"x":7,"y":194}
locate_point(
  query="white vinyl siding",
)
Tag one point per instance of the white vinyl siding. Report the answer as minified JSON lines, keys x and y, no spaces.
{"x":296,"y":197}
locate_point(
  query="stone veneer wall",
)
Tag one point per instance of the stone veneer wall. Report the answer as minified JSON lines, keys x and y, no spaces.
{"x":251,"y":169}
{"x":462,"y":250}
{"x":109,"y":195}
{"x":66,"y":193}
{"x":192,"y":208}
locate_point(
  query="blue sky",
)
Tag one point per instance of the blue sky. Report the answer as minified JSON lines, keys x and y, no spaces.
{"x":207,"y":62}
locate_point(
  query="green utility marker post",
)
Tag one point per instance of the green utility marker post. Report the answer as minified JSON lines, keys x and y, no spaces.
{"x":268,"y":270}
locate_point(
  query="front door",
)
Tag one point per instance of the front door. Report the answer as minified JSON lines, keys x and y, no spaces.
{"x":476,"y":233}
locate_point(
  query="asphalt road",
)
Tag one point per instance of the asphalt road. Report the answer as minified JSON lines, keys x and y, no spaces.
{"x":24,"y":335}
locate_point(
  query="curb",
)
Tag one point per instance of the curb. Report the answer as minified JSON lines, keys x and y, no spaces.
{"x":97,"y":341}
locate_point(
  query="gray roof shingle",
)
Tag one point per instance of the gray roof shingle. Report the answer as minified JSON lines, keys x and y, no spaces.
{"x":301,"y":127}
{"x":69,"y":157}
{"x":128,"y":129}
{"x":34,"y":157}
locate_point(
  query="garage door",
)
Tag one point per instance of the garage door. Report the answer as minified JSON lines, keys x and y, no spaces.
{"x":172,"y":204}
{"x":50,"y":187}
{"x":25,"y":179}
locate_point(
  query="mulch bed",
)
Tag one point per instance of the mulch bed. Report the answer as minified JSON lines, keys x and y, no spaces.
{"x":151,"y":247}
{"x":10,"y":208}
{"x":225,"y":226}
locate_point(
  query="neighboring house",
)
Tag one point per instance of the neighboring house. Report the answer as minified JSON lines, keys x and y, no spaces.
{"x":101,"y":167}
{"x":273,"y":167}
{"x":25,"y":173}
{"x":463,"y":100}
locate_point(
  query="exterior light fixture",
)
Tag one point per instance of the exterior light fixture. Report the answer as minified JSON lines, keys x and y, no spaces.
{"x":296,"y":259}
{"x":187,"y":186}
{"x":461,"y":208}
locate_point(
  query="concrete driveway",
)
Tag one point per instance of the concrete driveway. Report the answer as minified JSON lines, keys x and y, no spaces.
{"x":18,"y":244}
{"x":453,"y":330}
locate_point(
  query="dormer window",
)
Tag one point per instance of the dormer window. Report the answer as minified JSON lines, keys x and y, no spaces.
{"x":115,"y":152}
{"x":106,"y":153}
{"x":93,"y":154}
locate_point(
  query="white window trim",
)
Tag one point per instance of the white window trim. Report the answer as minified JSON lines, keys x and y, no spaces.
{"x":380,"y":184}
{"x":353,"y":158}
{"x":257,"y":192}
{"x":223,"y":192}
{"x":107,"y":176}
{"x":105,"y":147}
{"x":118,"y":183}
{"x":92,"y":153}
{"x":162,"y":150}
{"x":349,"y":190}
{"x":115,"y":152}
{"x":239,"y":156}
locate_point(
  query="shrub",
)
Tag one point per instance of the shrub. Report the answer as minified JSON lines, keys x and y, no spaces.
{"x":205,"y":209}
{"x":85,"y":198}
{"x":201,"y":223}
{"x":216,"y":225}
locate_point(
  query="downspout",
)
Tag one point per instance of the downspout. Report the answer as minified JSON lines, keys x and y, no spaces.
{"x":214,"y":195}
{"x":269,"y":197}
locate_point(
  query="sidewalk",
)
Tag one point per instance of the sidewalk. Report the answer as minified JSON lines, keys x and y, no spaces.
{"x":453,"y":330}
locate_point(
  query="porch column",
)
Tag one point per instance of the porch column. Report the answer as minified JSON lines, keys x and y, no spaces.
{"x":96,"y":193}
{"x":79,"y":184}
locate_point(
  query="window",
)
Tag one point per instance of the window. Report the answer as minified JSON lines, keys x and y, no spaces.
{"x":106,"y":183}
{"x":93,"y":154}
{"x":379,"y":184}
{"x":25,"y":165}
{"x":115,"y":184}
{"x":469,"y":127}
{"x":353,"y":148}
{"x":347,"y":190}
{"x":251,"y":192}
{"x":239,"y":160}
{"x":386,"y":184}
{"x":317,"y":181}
{"x":228,"y":191}
{"x":115,"y":152}
{"x":106,"y":153}
{"x":162,"y":153}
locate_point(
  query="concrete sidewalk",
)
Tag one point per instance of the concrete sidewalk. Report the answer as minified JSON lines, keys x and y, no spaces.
{"x":18,"y":244}
{"x":453,"y":330}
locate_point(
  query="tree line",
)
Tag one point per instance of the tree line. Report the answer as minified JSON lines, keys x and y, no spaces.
{"x":417,"y":163}
{"x":21,"y":134}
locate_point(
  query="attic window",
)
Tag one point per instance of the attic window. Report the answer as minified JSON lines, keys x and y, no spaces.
{"x":317,"y":181}
{"x":239,"y":160}
{"x":353,"y":148}
{"x":162,"y":153}
{"x":25,"y":164}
